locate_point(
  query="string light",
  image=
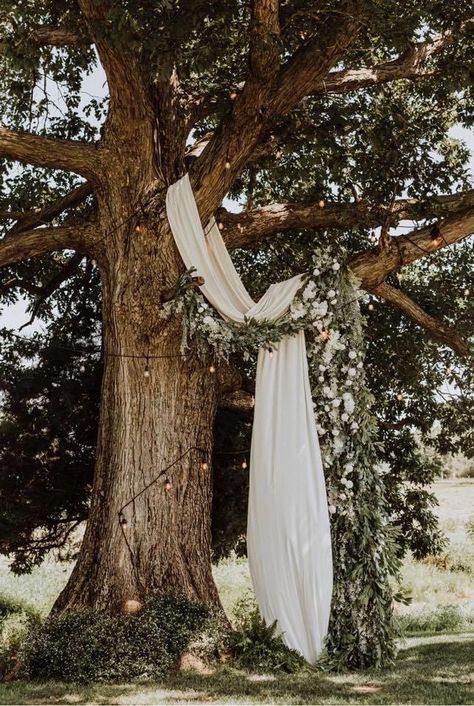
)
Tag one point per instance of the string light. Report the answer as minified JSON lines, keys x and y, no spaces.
{"x":138,"y":228}
{"x":204,"y":466}
{"x":232,"y":95}
{"x":467,"y":292}
{"x":82,"y":369}
{"x":220,"y":225}
{"x":146,"y":372}
{"x":212,"y":369}
{"x":168,"y":484}
{"x":132,"y":606}
{"x":278,"y":154}
{"x":244,"y":464}
{"x":270,"y":352}
{"x":227,"y":165}
{"x":400,"y":396}
{"x":371,"y":306}
{"x":324,"y":335}
{"x":321,"y":203}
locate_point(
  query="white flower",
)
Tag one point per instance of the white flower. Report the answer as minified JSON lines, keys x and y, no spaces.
{"x":335,"y":432}
{"x":338,"y":445}
{"x":352,"y":355}
{"x":321,"y":378}
{"x":349,"y":403}
{"x":336,"y":402}
{"x":328,"y":392}
{"x":316,"y":272}
{"x":352,"y":372}
{"x":345,"y":417}
{"x":343,"y":496}
{"x":331,"y":294}
{"x":332,"y":509}
{"x":349,"y":484}
{"x":321,"y":431}
{"x":333,"y":301}
{"x":348,"y":468}
{"x":336,"y":266}
{"x":309,"y":291}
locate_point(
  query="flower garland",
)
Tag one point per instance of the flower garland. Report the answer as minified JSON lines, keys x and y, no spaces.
{"x":362,"y":632}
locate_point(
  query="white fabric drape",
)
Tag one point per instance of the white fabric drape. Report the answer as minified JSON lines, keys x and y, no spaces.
{"x":288,"y":537}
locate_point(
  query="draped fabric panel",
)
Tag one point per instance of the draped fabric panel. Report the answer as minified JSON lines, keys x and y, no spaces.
{"x":288,"y":536}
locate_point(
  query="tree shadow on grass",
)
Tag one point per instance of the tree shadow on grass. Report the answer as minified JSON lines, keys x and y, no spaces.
{"x":437,"y":671}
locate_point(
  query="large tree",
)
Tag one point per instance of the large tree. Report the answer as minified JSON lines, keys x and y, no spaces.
{"x":326,"y":119}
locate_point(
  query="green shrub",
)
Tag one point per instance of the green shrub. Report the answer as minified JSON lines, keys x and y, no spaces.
{"x":87,"y":646}
{"x":446,"y":618}
{"x":16,"y":622}
{"x":258,"y":647}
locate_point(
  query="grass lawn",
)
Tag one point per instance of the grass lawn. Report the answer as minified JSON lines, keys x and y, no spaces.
{"x":432,"y":667}
{"x":429,"y":670}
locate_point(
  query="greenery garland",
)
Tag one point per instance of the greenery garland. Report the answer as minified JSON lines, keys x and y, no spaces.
{"x":362,"y":631}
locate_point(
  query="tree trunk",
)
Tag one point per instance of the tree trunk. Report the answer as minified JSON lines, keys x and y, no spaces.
{"x":154,"y":410}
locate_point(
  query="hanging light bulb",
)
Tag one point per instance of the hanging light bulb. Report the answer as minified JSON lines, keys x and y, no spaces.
{"x":138,"y":228}
{"x":270,"y":352}
{"x":220,"y":225}
{"x":232,"y":95}
{"x":132,"y":606}
{"x":324,"y":335}
{"x":321,"y":203}
{"x":204,"y":466}
{"x":82,"y":369}
{"x":93,"y":263}
{"x":467,"y":292}
{"x":227,"y":165}
{"x":212,"y":369}
{"x":146,"y":372}
{"x":400,"y":396}
{"x":244,"y":464}
{"x":168,"y":484}
{"x":371,"y":307}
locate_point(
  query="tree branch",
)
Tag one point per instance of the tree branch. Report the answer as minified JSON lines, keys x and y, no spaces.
{"x":55,"y":36}
{"x":412,"y":64}
{"x":248,"y":228}
{"x":264,"y":98}
{"x":73,"y":156}
{"x":41,"y":216}
{"x":122,"y":68}
{"x":40,"y":241}
{"x":436,"y":328}
{"x":373,"y":266}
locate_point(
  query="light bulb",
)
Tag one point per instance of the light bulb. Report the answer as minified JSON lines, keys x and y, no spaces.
{"x":204,"y":466}
{"x":146,"y":372}
{"x":244,"y":464}
{"x":270,"y":352}
{"x":232,"y":95}
{"x":220,"y":225}
{"x":82,"y":369}
{"x":400,"y":396}
{"x":321,"y":203}
{"x":212,"y":369}
{"x":371,"y":307}
{"x":278,"y":154}
{"x":227,"y":165}
{"x":323,"y":336}
{"x":93,"y":263}
{"x":168,"y":484}
{"x":138,"y":228}
{"x":467,"y":292}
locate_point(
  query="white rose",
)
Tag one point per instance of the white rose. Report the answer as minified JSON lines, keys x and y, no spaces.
{"x":352,"y":355}
{"x":345,"y":417}
{"x":349,"y":484}
{"x":332,"y":509}
{"x":352,"y":372}
{"x":336,"y":402}
{"x":336,"y":266}
{"x":331,"y":294}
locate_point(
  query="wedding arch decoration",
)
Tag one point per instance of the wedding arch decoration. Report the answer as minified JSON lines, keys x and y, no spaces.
{"x":363,"y":542}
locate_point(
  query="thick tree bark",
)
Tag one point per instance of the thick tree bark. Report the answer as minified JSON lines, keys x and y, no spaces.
{"x":153,"y":410}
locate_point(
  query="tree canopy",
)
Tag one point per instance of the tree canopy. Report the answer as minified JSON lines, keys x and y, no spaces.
{"x":325,"y":122}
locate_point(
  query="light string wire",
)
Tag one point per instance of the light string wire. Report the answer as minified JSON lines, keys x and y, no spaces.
{"x":122,"y":520}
